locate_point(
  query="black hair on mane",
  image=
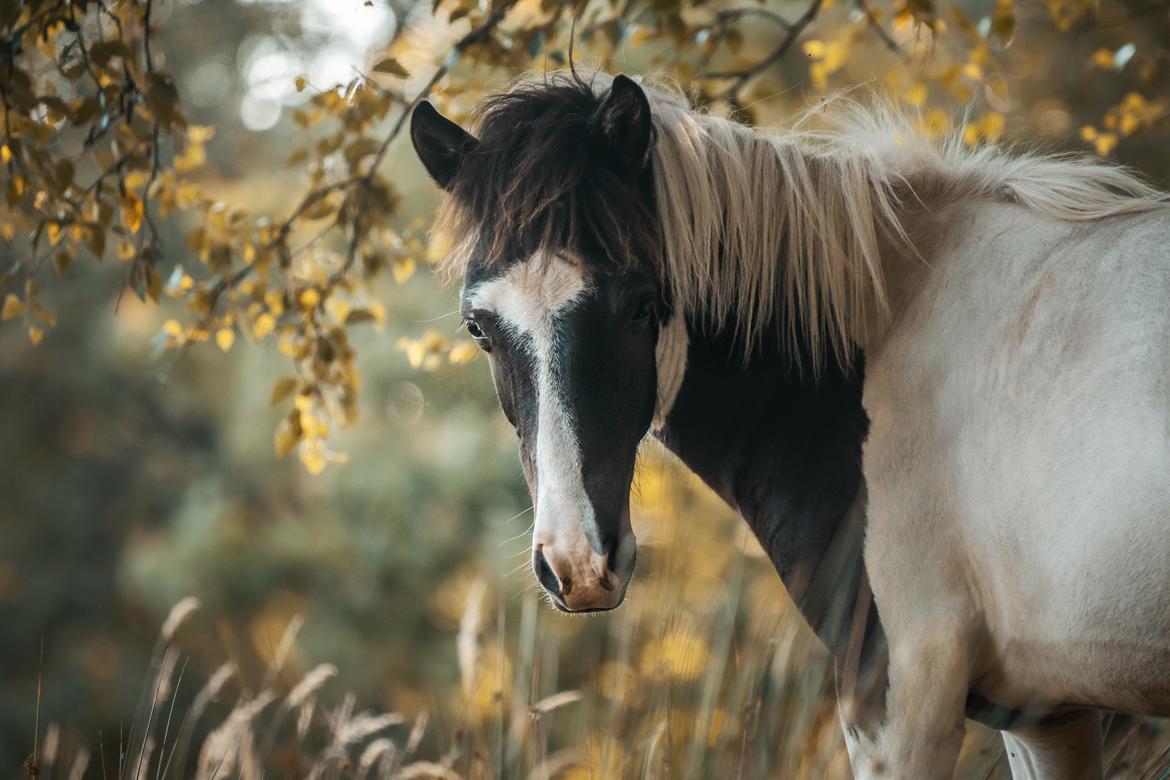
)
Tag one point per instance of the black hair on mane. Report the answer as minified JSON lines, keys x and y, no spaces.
{"x":536,"y":182}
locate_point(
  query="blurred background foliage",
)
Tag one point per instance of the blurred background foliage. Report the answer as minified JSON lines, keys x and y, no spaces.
{"x":214,"y":252}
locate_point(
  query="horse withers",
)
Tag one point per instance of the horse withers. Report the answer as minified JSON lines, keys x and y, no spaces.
{"x":928,"y":372}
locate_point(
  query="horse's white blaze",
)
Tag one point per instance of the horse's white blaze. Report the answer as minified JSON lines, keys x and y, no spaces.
{"x":527,"y":300}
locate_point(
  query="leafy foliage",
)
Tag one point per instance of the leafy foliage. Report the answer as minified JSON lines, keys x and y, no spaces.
{"x":97,"y":151}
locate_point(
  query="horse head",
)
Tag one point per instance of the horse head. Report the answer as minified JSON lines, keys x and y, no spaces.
{"x":551,"y":213}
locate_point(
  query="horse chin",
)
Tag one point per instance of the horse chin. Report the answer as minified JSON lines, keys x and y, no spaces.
{"x":557,"y":602}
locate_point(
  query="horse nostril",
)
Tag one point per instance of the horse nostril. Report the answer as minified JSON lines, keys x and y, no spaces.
{"x":613,"y":553}
{"x":544,"y":573}
{"x":608,"y":548}
{"x":619,"y":557}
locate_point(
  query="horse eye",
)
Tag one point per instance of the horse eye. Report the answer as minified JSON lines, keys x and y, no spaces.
{"x":644,"y":310}
{"x":476,"y":332}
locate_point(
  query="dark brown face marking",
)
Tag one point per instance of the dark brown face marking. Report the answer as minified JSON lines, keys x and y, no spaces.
{"x":573,"y":360}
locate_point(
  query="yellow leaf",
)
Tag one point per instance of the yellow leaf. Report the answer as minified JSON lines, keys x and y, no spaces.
{"x":463,"y":352}
{"x":433,"y":340}
{"x":934,"y":123}
{"x":300,"y":83}
{"x":13,"y":307}
{"x":403,"y":269}
{"x":263,"y":325}
{"x":5,"y":153}
{"x":298,"y":155}
{"x":680,"y":653}
{"x":391,"y":66}
{"x":358,"y":316}
{"x":35,"y":334}
{"x":282,"y":389}
{"x":415,"y":351}
{"x":173,"y":328}
{"x":287,"y":434}
{"x":814,"y":48}
{"x":819,"y":75}
{"x":916,"y":95}
{"x":224,"y":338}
{"x":44,"y":315}
{"x":275,"y":302}
{"x":200,"y":133}
{"x":126,"y":251}
{"x":1103,"y":58}
{"x":192,"y":157}
{"x":1106,"y":142}
{"x":135,"y":180}
{"x":292,"y":347}
{"x":308,"y":299}
{"x":1003,"y":20}
{"x":133,"y":213}
{"x":992,"y":125}
{"x":61,"y":261}
{"x":312,"y":458}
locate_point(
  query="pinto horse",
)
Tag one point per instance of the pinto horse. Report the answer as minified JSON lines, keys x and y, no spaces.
{"x":935,"y":374}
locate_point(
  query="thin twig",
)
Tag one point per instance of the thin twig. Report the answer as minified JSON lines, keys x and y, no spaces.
{"x":876,"y":26}
{"x":726,"y":17}
{"x":743,"y":76}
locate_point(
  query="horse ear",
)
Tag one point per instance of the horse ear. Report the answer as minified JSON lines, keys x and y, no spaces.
{"x":621,"y":128}
{"x":440,"y":143}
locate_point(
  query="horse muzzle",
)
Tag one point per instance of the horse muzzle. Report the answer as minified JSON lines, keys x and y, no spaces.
{"x":582,"y":580}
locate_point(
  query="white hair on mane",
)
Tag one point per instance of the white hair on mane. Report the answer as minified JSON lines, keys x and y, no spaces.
{"x":760,"y":224}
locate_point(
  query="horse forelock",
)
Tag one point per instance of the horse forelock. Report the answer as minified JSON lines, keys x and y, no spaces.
{"x":533,"y":186}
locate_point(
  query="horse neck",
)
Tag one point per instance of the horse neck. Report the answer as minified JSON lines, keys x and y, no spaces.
{"x":785,"y":452}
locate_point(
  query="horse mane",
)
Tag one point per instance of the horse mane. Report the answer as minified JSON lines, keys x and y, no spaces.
{"x":758,"y":228}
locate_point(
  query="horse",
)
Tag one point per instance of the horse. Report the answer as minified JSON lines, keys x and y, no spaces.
{"x":933,"y":379}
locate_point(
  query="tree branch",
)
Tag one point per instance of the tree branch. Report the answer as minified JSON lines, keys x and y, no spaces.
{"x":876,"y":26}
{"x":363,"y":183}
{"x":727,"y":17}
{"x":474,"y":36}
{"x":743,"y":76}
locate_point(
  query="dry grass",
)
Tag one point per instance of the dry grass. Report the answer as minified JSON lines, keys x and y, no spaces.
{"x":689,"y":706}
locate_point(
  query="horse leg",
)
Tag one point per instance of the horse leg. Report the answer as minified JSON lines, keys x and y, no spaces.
{"x":861,"y":668}
{"x":1068,"y":749}
{"x":925,"y":715}
{"x":932,"y":633}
